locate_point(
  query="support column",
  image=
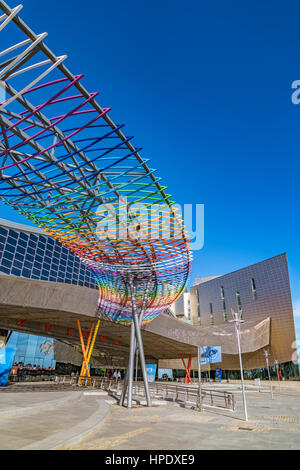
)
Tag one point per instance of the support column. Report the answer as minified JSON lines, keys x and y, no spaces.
{"x":90,"y":350}
{"x":87,"y":351}
{"x":136,"y":366}
{"x":130,"y":365}
{"x":187,"y":369}
{"x":139,"y":339}
{"x":136,"y":345}
{"x":84,"y":351}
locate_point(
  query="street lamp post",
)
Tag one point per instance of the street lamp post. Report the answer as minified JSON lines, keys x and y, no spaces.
{"x":268,"y":368}
{"x":237,"y":320}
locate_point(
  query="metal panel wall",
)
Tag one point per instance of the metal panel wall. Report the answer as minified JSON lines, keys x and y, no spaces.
{"x":269,"y":296}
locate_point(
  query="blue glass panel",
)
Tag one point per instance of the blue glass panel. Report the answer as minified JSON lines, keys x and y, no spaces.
{"x":13,"y":234}
{"x":4,"y":270}
{"x":18,"y":264}
{"x":7,"y":355}
{"x":10,"y":248}
{"x":7,"y":263}
{"x":19,"y":257}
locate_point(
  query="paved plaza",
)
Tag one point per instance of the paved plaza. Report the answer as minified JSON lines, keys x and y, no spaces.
{"x":272,"y":424}
{"x":51,"y":417}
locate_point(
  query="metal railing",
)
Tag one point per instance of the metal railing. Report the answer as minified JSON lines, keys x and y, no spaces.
{"x":188,"y":395}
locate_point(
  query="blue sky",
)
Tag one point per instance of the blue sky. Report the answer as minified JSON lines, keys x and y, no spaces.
{"x":205,"y":87}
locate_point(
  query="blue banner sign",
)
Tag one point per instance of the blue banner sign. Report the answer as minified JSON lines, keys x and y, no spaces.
{"x":218,"y":373}
{"x":165,"y":374}
{"x":7,"y":355}
{"x":210,"y":354}
{"x":151,"y":371}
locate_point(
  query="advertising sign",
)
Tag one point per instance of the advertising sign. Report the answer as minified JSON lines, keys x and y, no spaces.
{"x":151,"y":371}
{"x":165,"y":374}
{"x":7,"y":355}
{"x":210,"y":354}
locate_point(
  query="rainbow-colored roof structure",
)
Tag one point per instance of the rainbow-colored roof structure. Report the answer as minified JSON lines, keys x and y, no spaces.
{"x":66,"y":166}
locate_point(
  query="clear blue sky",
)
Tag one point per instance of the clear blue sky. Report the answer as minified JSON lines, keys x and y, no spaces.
{"x":205,"y":87}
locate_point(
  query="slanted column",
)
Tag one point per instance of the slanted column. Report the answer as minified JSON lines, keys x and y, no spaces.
{"x":136,"y":343}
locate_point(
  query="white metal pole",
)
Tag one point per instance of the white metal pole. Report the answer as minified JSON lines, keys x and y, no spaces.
{"x":269,"y":376}
{"x":199,"y":381}
{"x":237,"y":320}
{"x":277,"y":370}
{"x":237,"y":329}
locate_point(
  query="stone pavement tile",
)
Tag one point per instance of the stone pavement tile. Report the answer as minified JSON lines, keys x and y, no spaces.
{"x":17,"y":431}
{"x":22,"y":400}
{"x":273,"y":424}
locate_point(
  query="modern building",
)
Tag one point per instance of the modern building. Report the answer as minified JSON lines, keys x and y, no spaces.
{"x":199,"y":280}
{"x":182,"y":307}
{"x":31,"y":262}
{"x":29,"y":252}
{"x":45,"y":290}
{"x":260,"y":292}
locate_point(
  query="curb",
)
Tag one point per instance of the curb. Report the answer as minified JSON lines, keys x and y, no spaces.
{"x":49,"y":443}
{"x":77,"y":438}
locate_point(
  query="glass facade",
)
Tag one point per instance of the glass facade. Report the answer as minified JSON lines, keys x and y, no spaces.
{"x":33,"y":350}
{"x":198,"y":308}
{"x":253,"y":287}
{"x":224,"y":304}
{"x":41,"y":257}
{"x":211,"y":314}
{"x":33,"y":255}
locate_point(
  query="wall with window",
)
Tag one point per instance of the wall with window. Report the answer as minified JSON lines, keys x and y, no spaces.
{"x":32,"y":254}
{"x":258,"y":291}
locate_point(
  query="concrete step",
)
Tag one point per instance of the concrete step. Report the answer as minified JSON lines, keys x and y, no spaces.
{"x":96,"y":393}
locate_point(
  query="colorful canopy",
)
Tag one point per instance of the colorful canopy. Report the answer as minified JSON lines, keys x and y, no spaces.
{"x":66,"y":166}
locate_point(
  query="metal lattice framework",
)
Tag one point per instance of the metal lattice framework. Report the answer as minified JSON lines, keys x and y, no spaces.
{"x":65,"y":165}
{"x":62,"y":157}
